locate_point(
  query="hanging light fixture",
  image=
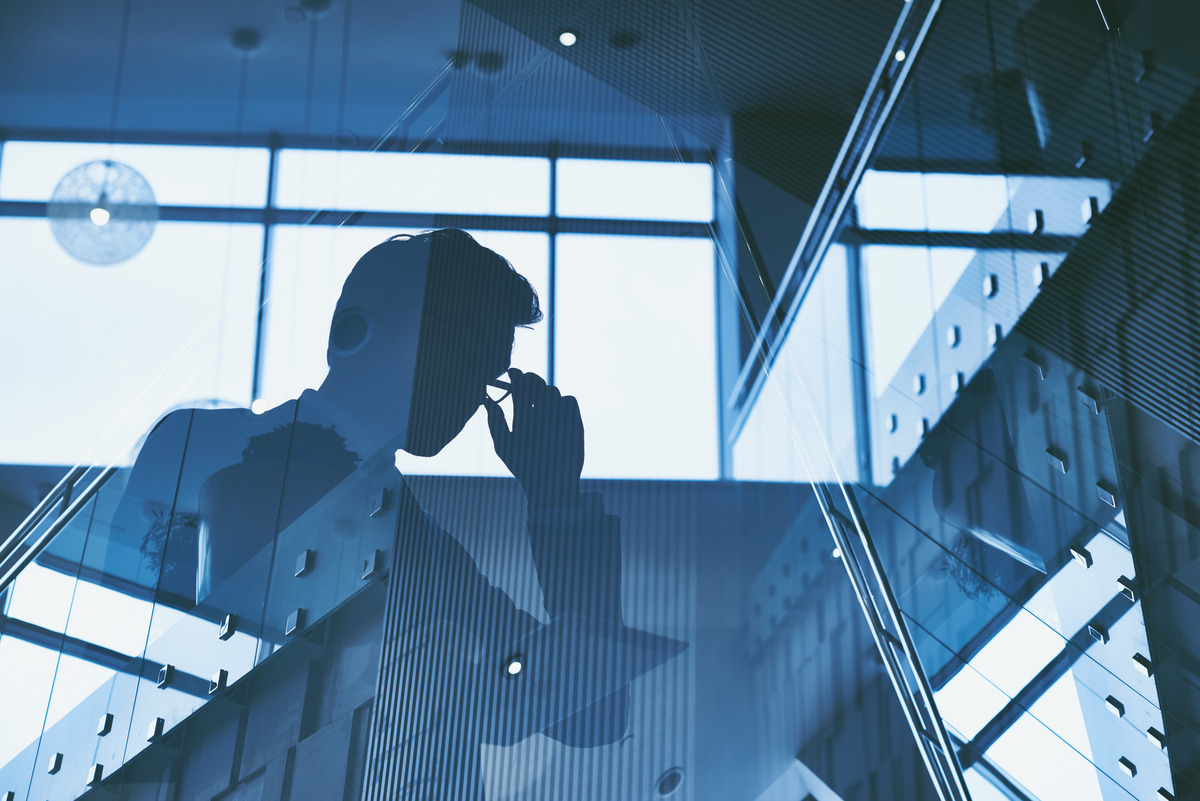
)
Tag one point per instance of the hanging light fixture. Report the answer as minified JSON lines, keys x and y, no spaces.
{"x":104,"y":212}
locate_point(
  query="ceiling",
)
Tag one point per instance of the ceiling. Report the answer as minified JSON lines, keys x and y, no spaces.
{"x":343,"y":70}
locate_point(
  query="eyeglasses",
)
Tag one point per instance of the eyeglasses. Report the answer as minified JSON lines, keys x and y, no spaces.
{"x":498,"y":390}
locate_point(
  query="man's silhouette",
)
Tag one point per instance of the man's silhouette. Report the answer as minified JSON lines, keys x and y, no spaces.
{"x":421,"y":328}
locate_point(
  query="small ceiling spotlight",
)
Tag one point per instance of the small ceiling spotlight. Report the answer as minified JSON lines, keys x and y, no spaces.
{"x":836,"y":553}
{"x":901,"y":55}
{"x":513,"y":666}
{"x":669,"y":782}
{"x":568,"y":38}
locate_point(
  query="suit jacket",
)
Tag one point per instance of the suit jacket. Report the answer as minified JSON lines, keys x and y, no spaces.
{"x":211,"y":490}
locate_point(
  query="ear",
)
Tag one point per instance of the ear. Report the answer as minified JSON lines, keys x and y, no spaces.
{"x":350,"y":331}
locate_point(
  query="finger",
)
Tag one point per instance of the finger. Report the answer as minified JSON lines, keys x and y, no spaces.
{"x":571,"y":406}
{"x":529,"y":391}
{"x":528,"y":385}
{"x":497,"y":426}
{"x":570,"y":418}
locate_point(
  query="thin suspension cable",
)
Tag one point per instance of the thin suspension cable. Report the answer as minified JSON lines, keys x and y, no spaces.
{"x":241,"y":99}
{"x":341,"y":121}
{"x":312,"y":77}
{"x":122,"y":47}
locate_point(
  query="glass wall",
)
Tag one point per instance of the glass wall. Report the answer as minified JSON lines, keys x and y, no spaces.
{"x":989,"y":479}
{"x":212,"y":345}
{"x":842,"y":447}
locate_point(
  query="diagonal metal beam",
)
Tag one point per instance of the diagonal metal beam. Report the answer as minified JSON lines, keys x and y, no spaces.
{"x":871,"y":120}
{"x":892,"y":638}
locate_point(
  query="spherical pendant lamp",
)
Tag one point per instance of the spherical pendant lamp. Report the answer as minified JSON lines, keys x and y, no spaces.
{"x":102,"y":212}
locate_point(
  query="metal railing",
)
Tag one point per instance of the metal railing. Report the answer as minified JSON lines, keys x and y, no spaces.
{"x":892,"y":638}
{"x":870,"y":121}
{"x":48,"y":518}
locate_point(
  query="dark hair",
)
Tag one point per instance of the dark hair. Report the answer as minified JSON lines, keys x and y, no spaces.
{"x":464,"y":280}
{"x":464,"y":275}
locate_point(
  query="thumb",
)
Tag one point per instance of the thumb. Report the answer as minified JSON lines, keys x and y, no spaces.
{"x":498,"y":426}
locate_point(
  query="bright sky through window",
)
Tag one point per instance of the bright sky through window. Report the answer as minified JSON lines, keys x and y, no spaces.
{"x":195,"y":289}
{"x":634,"y":190}
{"x":179,"y":175}
{"x":635,"y":340}
{"x":413,"y":182}
{"x":173,"y":325}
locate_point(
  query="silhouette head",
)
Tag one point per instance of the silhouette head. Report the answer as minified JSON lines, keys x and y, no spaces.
{"x":422,"y":324}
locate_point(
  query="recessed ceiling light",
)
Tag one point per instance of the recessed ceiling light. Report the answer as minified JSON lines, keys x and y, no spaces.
{"x":901,"y":55}
{"x":669,"y":782}
{"x":836,"y":553}
{"x":568,"y":38}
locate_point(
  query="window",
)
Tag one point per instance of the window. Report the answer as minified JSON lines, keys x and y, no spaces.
{"x":179,"y":175}
{"x":635,"y":342}
{"x":98,"y":354}
{"x":634,"y":190}
{"x":629,"y":315}
{"x":413,"y":182}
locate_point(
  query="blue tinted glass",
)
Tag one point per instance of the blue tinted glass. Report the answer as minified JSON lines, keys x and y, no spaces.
{"x":1049,"y":761}
{"x":333,"y":564}
{"x":634,"y":342}
{"x":173,"y":325}
{"x":419,"y":182}
{"x":911,"y":201}
{"x":635,"y":190}
{"x":807,"y":393}
{"x":178,"y":175}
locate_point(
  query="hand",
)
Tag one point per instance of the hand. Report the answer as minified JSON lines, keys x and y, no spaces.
{"x":544,"y":449}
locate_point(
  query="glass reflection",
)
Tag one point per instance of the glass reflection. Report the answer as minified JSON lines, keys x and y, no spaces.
{"x":1021,"y":507}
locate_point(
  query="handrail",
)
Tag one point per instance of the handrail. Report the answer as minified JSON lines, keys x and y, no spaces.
{"x":61,"y":490}
{"x":13,"y":563}
{"x":872,"y":117}
{"x":893,"y":640}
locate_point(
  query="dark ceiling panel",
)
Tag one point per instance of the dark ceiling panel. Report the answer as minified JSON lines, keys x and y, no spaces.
{"x":786,"y":69}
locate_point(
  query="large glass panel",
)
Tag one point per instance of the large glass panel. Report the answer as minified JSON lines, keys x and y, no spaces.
{"x":174,"y":325}
{"x":417,"y":182}
{"x":919,"y":277}
{"x":29,"y":673}
{"x":1048,"y":748}
{"x":911,"y":201}
{"x":178,"y":175}
{"x":37,"y":613}
{"x":812,"y":371}
{"x":633,"y":190}
{"x":634,"y":342}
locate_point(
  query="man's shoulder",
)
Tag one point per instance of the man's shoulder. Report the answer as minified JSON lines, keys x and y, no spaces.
{"x":227,"y":415}
{"x":213,"y":429}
